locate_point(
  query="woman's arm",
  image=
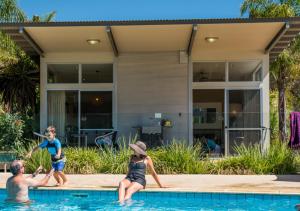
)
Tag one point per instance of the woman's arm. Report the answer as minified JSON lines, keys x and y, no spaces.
{"x":153,"y":172}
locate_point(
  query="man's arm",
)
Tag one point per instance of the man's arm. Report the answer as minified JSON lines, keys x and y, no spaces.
{"x":39,"y":169}
{"x":35,"y":183}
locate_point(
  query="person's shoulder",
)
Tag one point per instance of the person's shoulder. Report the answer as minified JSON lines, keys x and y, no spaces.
{"x":56,"y":140}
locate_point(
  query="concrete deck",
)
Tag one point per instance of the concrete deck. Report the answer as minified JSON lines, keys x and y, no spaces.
{"x":285,"y":184}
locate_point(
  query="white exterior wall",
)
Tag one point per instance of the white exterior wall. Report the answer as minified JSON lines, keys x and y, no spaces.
{"x":149,"y":83}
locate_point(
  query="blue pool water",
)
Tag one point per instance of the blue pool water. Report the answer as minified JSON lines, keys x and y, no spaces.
{"x":106,"y":200}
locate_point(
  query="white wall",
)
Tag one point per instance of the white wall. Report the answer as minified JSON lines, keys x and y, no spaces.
{"x":150,"y":83}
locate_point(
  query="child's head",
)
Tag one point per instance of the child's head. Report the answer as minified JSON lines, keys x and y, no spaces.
{"x":51,"y":132}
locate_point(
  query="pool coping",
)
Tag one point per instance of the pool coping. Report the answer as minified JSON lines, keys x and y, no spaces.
{"x":240,"y":184}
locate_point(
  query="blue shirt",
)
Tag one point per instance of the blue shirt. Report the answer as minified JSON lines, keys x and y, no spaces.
{"x":211,"y":144}
{"x":52,"y":146}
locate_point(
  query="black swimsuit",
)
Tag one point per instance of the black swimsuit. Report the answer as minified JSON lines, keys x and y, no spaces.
{"x":137,"y":172}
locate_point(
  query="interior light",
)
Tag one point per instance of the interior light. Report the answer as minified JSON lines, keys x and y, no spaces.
{"x":211,"y":39}
{"x":93,"y":41}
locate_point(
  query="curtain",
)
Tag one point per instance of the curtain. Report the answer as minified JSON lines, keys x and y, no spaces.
{"x":56,"y":111}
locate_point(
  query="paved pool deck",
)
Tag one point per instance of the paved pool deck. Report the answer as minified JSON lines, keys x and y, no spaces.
{"x":284,"y":184}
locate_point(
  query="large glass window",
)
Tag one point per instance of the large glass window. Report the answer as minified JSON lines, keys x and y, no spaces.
{"x":63,"y":112}
{"x":244,"y":108}
{"x":245,"y":71}
{"x":96,"y":110}
{"x":97,"y":73}
{"x":245,"y":137}
{"x":208,"y":71}
{"x":62,"y":73}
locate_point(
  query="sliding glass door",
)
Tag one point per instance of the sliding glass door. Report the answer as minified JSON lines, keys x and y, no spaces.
{"x":79,"y":114}
{"x":95,"y":110}
{"x":242,"y":118}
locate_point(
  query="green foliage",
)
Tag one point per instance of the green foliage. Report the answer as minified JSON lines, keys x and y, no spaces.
{"x":10,"y":12}
{"x":279,"y":159}
{"x":176,"y":158}
{"x":116,"y":162}
{"x":11,"y":131}
{"x":41,"y":157}
{"x":270,"y":8}
{"x":82,"y":160}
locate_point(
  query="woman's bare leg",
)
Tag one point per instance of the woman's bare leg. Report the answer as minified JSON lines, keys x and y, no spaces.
{"x":122,"y":187}
{"x":133,"y":188}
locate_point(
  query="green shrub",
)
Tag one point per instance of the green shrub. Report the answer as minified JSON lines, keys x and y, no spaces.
{"x":178,"y":158}
{"x":82,"y":160}
{"x":116,"y":162}
{"x":281,"y":158}
{"x":40,"y":157}
{"x":11,"y":131}
{"x":278,"y":159}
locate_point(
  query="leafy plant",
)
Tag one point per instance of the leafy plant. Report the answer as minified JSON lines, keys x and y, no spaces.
{"x":11,"y":131}
{"x":82,"y":160}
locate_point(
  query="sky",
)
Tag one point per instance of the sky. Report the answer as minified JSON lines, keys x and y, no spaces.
{"x":75,"y":10}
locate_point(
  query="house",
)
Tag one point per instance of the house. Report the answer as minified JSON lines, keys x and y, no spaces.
{"x":204,"y":77}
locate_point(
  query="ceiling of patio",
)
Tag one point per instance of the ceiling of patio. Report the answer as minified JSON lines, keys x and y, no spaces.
{"x":69,"y":39}
{"x":235,"y":37}
{"x":156,"y":37}
{"x":152,"y":38}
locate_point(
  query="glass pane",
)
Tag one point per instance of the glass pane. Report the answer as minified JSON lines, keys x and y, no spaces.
{"x":246,"y":137}
{"x":244,"y":108}
{"x":62,"y":73}
{"x":245,"y":71}
{"x":208,"y":71}
{"x":63,"y":112}
{"x":96,"y":110}
{"x":97,"y":73}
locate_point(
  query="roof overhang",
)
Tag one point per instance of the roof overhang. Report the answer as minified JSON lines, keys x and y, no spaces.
{"x":268,"y":35}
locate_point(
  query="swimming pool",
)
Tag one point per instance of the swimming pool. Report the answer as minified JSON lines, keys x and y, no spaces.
{"x":106,"y":200}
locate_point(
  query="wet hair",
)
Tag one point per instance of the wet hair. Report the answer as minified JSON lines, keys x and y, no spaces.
{"x":15,"y":167}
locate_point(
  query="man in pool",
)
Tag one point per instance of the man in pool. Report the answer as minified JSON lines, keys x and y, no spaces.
{"x":58,"y":158}
{"x":17,"y":185}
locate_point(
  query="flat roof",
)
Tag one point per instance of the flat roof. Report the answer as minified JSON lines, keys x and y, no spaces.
{"x":271,"y":35}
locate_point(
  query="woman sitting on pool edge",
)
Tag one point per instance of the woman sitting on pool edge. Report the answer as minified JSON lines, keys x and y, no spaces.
{"x":135,"y":179}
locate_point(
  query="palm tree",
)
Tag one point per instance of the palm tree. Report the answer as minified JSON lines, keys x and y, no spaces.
{"x":285,"y":69}
{"x":10,"y":12}
{"x":47,"y":18}
{"x":18,"y":73}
